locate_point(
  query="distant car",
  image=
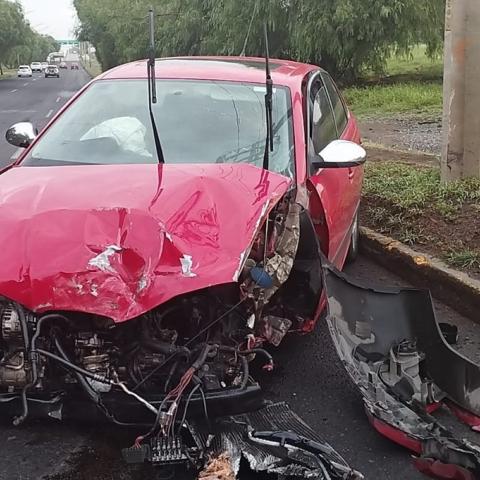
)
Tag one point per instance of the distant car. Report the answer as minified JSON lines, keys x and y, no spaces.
{"x":74,"y":66}
{"x":52,"y":71}
{"x":63,"y":65}
{"x":44,"y":65}
{"x":36,"y":67}
{"x":24,"y":71}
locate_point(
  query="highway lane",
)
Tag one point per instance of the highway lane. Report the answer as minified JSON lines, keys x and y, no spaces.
{"x":36,"y":100}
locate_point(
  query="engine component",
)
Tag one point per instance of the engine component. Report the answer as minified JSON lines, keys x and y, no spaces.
{"x":10,"y":324}
{"x":14,"y":368}
{"x":93,"y":356}
{"x":273,"y":329}
{"x":13,"y":371}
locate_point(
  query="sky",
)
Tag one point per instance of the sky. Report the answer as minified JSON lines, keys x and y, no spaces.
{"x":53,"y":17}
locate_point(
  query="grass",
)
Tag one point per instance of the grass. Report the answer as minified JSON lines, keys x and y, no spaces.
{"x":8,"y":73}
{"x":417,"y":98}
{"x":92,"y":66}
{"x":417,"y":64}
{"x":464,"y":259}
{"x":410,"y":85}
{"x":416,"y":188}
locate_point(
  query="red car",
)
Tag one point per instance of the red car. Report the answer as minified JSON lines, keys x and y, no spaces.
{"x":138,"y":283}
{"x":158,"y":238}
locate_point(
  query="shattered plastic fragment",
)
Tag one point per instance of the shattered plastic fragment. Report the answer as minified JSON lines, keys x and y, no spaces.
{"x":186,"y":262}
{"x":402,"y":367}
{"x":102,"y":260}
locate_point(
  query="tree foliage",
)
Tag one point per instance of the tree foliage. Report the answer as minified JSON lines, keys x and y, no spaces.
{"x":19,"y":43}
{"x":344,"y":36}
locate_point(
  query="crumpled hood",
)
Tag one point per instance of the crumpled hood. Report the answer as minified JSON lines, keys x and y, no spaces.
{"x":119,"y":240}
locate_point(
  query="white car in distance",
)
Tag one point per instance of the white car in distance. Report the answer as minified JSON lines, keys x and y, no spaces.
{"x":24,"y":71}
{"x":36,"y":67}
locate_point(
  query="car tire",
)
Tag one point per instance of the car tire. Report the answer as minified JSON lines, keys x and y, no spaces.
{"x":353,"y":249}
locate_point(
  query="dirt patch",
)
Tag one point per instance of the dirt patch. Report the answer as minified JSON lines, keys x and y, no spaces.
{"x":431,"y":234}
{"x":380,"y":154}
{"x":404,"y":199}
{"x":404,"y":133}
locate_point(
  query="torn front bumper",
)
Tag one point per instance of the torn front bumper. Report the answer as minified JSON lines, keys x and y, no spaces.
{"x":393,"y":349}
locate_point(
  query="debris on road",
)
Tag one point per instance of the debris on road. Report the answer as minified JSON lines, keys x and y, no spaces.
{"x":395,"y":352}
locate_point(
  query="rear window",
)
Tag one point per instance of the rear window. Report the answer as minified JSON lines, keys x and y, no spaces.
{"x":339,"y":109}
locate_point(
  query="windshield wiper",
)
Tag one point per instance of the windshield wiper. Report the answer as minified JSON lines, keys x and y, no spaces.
{"x":152,"y":86}
{"x":268,"y":104}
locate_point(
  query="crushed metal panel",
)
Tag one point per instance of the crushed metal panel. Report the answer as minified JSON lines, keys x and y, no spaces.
{"x":275,"y":440}
{"x":183,"y":230}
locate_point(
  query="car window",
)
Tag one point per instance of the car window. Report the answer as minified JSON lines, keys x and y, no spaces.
{"x":338,"y":106}
{"x":322,"y":122}
{"x":197,"y":122}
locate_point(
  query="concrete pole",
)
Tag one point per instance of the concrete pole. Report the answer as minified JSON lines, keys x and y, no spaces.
{"x":461,"y":107}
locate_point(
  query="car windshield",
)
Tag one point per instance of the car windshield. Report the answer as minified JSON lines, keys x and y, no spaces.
{"x":197,"y":122}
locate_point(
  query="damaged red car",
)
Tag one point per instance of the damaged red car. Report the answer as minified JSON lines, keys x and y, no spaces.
{"x":151,"y":250}
{"x":167,"y":229}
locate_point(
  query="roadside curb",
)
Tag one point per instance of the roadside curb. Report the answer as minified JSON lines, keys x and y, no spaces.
{"x":454,"y":288}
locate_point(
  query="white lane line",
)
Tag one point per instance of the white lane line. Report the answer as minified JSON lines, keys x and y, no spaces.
{"x":58,"y":99}
{"x":25,"y":84}
{"x":6,"y":112}
{"x":34,"y":79}
{"x":48,"y":114}
{"x":14,"y":90}
{"x":16,"y":154}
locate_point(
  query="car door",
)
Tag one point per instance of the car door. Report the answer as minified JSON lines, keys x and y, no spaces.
{"x":335,"y":192}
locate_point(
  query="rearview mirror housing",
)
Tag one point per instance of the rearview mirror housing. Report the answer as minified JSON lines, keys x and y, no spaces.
{"x":21,"y":134}
{"x":340,"y":154}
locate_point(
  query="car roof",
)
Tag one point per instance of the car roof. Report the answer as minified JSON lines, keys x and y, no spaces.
{"x":239,"y":69}
{"x":24,"y":66}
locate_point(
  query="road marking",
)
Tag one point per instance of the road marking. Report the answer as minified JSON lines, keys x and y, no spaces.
{"x":49,"y":113}
{"x":4,"y":112}
{"x":14,"y":90}
{"x":58,"y":99}
{"x":17,"y":154}
{"x":25,"y":84}
{"x":34,"y":79}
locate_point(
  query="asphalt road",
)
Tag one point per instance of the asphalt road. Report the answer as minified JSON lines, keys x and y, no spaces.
{"x":35,"y":100}
{"x":308,"y":375}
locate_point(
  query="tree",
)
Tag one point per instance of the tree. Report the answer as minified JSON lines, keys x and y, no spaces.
{"x":18,"y":42}
{"x":345,"y":36}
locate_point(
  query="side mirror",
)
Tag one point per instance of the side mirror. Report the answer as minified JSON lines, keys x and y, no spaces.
{"x":21,"y":134}
{"x":341,"y":154}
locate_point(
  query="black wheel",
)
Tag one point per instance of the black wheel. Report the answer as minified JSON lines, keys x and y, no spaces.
{"x":354,"y":241}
